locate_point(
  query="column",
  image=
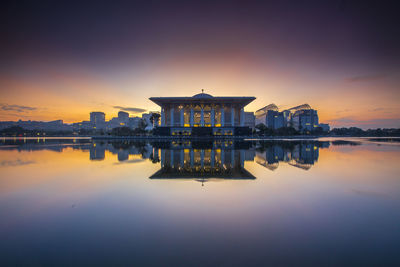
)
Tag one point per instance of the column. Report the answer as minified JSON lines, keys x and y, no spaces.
{"x":202,"y":117}
{"x":222,"y":116}
{"x":191,"y":117}
{"x":212,"y":117}
{"x":233,"y":116}
{"x":242,"y":117}
{"x":202,"y":158}
{"x":172,"y":116}
{"x":191,"y":158}
{"x":171,"y":154}
{"x":182,"y":158}
{"x":182,"y":117}
{"x":212,"y":158}
{"x":162,"y":116}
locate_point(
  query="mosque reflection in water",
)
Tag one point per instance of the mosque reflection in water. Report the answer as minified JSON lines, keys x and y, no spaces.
{"x":213,"y":159}
{"x":217,"y":159}
{"x":203,"y":160}
{"x":188,"y":159}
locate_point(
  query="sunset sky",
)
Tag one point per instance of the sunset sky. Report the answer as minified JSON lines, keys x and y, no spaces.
{"x":64,"y":60}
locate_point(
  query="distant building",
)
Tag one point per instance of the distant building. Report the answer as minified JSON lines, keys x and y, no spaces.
{"x":261,"y":115}
{"x":249,"y":120}
{"x":134,"y":122}
{"x":302,"y":117}
{"x":325,"y":127}
{"x":57,"y":125}
{"x":123,"y":116}
{"x":271,"y":117}
{"x":83,"y":125}
{"x":275,"y":119}
{"x":98,"y":119}
{"x":114,"y":123}
{"x":305,"y":120}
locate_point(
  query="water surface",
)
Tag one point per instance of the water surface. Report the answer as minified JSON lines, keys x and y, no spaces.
{"x":75,"y":201}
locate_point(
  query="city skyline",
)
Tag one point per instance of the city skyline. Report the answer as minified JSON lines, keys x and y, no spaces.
{"x":63,"y":61}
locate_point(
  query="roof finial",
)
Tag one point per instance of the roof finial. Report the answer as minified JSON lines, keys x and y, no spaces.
{"x":202,"y":91}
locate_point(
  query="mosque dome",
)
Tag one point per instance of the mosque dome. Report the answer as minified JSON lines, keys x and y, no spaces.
{"x":203,"y":95}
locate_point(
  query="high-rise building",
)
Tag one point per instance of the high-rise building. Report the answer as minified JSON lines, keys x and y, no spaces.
{"x":261,"y":115}
{"x":97,"y":117}
{"x":302,"y":118}
{"x":123,"y":116}
{"x":271,"y":117}
{"x":305,"y":120}
{"x":275,"y":119}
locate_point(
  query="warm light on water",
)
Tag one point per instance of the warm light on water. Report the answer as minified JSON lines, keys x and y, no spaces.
{"x":77,"y":201}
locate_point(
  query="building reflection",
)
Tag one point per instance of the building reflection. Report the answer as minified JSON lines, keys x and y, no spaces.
{"x":123,"y":150}
{"x":203,"y":161}
{"x":298,"y":154}
{"x":200,"y":160}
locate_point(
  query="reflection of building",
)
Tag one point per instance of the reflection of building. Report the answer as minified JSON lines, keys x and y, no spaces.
{"x":216,"y":161}
{"x":210,"y":158}
{"x":301,"y":155}
{"x":97,"y":152}
{"x":202,"y":114}
{"x":123,"y":150}
{"x":304,"y":156}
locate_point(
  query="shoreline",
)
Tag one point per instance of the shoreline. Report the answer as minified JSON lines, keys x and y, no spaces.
{"x":303,"y":137}
{"x":249,"y":138}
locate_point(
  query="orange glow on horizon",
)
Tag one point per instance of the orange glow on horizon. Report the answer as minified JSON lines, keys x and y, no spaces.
{"x":72,"y":95}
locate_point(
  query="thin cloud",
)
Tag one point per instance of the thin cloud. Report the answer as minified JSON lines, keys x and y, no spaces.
{"x":382,"y":110}
{"x":130,"y":109}
{"x":17,"y":162}
{"x":16,"y":108}
{"x":343,"y":111}
{"x":376,"y":109}
{"x":366,"y":78}
{"x":343,"y":120}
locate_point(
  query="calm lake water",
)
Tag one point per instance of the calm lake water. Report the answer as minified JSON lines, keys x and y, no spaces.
{"x":329,"y":202}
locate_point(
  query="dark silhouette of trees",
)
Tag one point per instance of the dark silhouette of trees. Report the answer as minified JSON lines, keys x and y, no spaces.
{"x":122,"y":131}
{"x":154,"y":117}
{"x":284,"y":131}
{"x":354,"y":131}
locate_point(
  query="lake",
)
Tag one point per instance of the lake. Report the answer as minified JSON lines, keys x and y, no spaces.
{"x":325,"y":202}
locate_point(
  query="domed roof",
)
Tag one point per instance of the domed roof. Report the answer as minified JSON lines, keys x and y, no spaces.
{"x":203,"y":95}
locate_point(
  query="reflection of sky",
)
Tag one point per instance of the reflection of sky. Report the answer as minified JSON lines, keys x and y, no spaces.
{"x":344,"y":207}
{"x":340,"y":57}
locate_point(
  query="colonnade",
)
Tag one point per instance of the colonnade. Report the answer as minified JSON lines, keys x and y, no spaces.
{"x":212,"y":123}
